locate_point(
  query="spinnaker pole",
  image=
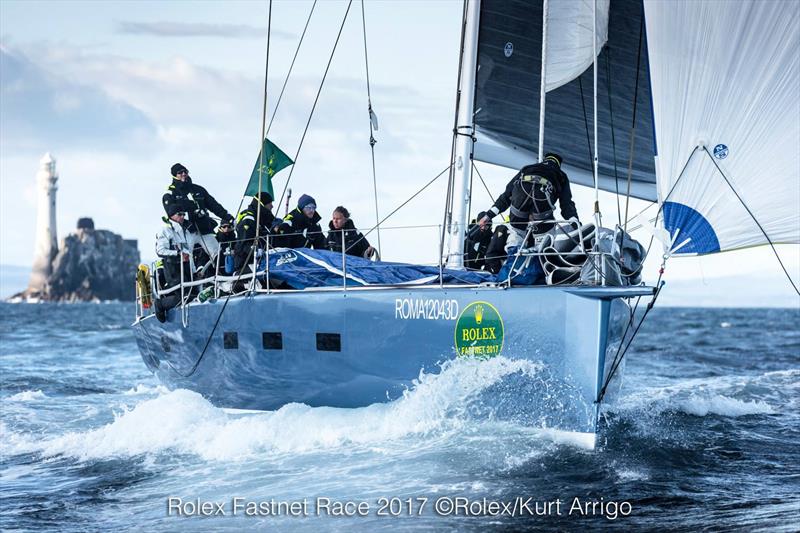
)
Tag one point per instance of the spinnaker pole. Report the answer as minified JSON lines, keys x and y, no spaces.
{"x":594,"y":119}
{"x":543,"y":88}
{"x":465,"y":130}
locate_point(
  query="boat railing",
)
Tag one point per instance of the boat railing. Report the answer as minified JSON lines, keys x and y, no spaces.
{"x":255,"y":276}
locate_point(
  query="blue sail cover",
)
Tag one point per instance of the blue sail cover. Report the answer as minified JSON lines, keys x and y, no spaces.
{"x":301,"y":268}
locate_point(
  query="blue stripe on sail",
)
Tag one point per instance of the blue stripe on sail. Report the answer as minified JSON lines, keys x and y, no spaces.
{"x":691,"y":225}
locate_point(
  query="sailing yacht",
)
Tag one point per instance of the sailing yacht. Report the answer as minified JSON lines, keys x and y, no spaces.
{"x":691,"y":105}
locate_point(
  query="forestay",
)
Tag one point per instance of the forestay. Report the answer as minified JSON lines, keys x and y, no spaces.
{"x":725,"y":81}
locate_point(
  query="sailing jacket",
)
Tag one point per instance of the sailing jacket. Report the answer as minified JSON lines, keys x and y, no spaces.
{"x":354,"y":242}
{"x":531,"y":194}
{"x":475,"y":246}
{"x":299,"y":231}
{"x":246,"y":231}
{"x":195,"y":201}
{"x":173,"y":240}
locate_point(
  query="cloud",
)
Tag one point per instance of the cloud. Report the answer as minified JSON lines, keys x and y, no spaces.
{"x":196,"y":29}
{"x":39,"y":108}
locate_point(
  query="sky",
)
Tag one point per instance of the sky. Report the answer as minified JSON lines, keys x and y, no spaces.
{"x":119,"y":91}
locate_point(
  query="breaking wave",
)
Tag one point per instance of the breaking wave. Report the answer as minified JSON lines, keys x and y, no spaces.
{"x":183,"y":421}
{"x":27,"y":396}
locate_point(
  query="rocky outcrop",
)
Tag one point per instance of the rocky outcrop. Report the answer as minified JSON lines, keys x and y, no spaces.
{"x":91,"y":265}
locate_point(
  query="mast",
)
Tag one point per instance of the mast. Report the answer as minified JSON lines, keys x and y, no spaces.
{"x":464,"y":132}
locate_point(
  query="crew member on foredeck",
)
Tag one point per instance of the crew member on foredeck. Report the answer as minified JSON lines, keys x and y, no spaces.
{"x":532,"y":193}
{"x":476,"y":243}
{"x":300,"y":228}
{"x":196,"y":202}
{"x":531,"y":196}
{"x":258,"y":212}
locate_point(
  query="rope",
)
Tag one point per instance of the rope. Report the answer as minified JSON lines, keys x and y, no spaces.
{"x":291,"y":67}
{"x":316,"y":99}
{"x":789,"y":277}
{"x":372,"y":140}
{"x":633,"y":120}
{"x":618,"y":357}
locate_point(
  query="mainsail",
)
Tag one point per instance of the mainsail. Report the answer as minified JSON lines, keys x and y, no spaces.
{"x":725,"y":80}
{"x":507,"y":92}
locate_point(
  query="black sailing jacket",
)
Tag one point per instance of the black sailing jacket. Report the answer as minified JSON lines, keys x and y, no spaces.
{"x":355,"y":243}
{"x":195,"y":201}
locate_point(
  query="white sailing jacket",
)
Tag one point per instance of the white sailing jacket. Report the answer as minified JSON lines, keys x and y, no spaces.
{"x":174,"y":239}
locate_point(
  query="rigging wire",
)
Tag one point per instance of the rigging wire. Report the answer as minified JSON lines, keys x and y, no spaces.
{"x":316,"y":100}
{"x":633,"y":120}
{"x":251,"y":253}
{"x":291,"y":67}
{"x":263,"y":126}
{"x":760,"y":227}
{"x":613,"y":137}
{"x":372,"y":140}
{"x":448,"y":167}
{"x":475,"y":168}
{"x":448,"y":204}
{"x":283,"y":88}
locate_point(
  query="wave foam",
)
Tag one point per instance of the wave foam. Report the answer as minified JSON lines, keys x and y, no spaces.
{"x":723,"y":406}
{"x":183,"y":421}
{"x":27,"y":396}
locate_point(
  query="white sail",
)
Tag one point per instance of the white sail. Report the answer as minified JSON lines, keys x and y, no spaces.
{"x":569,"y":39}
{"x":725,"y":81}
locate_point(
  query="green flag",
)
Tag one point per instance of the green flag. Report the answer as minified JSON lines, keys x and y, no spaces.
{"x":273,"y":162}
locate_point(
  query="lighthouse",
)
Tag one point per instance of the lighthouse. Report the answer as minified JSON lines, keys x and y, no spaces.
{"x":46,"y":242}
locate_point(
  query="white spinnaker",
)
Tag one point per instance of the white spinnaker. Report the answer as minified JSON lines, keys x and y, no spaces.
{"x":727,"y":72}
{"x":569,"y":38}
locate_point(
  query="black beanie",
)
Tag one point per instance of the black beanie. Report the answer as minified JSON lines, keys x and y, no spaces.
{"x":177,"y":167}
{"x":172,"y":209}
{"x":263,"y":198}
{"x":553,"y":156}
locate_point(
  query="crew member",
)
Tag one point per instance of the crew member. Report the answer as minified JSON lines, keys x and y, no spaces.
{"x":354,"y":242}
{"x":477,"y":243}
{"x":258,"y":212}
{"x":300,"y":228}
{"x":174,"y":245}
{"x":531,"y":194}
{"x":196,"y":202}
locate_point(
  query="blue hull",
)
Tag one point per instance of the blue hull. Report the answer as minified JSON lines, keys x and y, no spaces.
{"x":357,"y":347}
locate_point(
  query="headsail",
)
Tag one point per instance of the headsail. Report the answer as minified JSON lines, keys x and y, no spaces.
{"x":569,"y":39}
{"x":507,"y":103}
{"x":726,"y":94}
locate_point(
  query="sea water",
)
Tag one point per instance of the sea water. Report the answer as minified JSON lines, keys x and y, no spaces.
{"x":704,"y":434}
